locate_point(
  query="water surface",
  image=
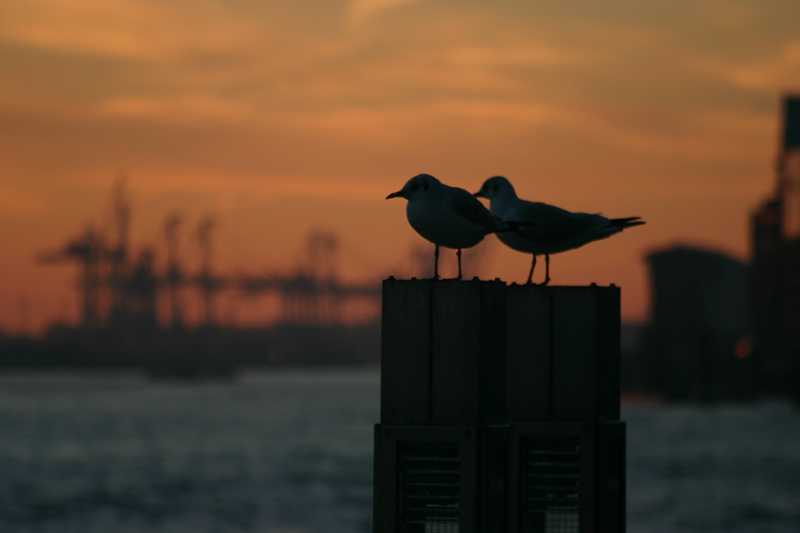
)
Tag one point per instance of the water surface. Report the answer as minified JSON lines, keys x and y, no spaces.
{"x":292,"y":452}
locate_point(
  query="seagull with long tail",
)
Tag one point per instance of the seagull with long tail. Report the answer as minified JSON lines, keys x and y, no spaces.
{"x":551,"y":229}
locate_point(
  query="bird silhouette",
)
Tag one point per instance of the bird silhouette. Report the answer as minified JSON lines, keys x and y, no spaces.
{"x":447,"y":216}
{"x":552,"y":230}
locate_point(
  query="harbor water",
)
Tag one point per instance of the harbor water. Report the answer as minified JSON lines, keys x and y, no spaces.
{"x":292,"y":452}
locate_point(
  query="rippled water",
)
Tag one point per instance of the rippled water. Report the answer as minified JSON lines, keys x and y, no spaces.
{"x":292,"y":452}
{"x":714,"y":469}
{"x":272,"y":453}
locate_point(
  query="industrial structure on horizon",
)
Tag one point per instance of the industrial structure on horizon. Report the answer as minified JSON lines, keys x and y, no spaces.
{"x":119,"y":286}
{"x":144,"y":308}
{"x":696,"y":345}
{"x":719,"y":328}
{"x":775,"y":269}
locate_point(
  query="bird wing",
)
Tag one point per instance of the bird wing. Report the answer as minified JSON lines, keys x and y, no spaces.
{"x":470,"y":208}
{"x":553,"y":224}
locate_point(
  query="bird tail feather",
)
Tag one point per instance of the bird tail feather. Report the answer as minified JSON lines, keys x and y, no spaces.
{"x":628,"y":222}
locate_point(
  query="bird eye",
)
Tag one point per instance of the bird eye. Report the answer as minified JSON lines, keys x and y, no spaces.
{"x":414,"y":187}
{"x":424,"y":186}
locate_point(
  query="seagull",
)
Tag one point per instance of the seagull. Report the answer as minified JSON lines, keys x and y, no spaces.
{"x":554,"y":229}
{"x":447,"y":216}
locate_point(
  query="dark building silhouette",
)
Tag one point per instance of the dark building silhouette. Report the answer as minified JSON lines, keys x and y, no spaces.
{"x":775,"y":297}
{"x":695,"y":346}
{"x":719,"y":329}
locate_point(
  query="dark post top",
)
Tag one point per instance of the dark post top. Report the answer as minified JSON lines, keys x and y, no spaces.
{"x":482,"y":352}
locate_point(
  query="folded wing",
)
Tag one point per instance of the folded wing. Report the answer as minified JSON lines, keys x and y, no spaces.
{"x":469,"y":207}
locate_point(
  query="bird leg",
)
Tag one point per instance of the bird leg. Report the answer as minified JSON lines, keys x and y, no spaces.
{"x":530,"y":274}
{"x":458,"y":253}
{"x":547,"y":269}
{"x":436,"y":263}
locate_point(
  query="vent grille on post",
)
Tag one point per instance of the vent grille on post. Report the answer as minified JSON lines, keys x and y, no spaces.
{"x":550,"y":484}
{"x":430,"y":487}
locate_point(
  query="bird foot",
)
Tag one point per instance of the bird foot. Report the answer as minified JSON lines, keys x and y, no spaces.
{"x":542,"y":284}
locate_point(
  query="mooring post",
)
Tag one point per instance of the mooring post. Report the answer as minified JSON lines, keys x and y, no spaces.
{"x":562,"y":353}
{"x":442,"y":352}
{"x":499,"y":409}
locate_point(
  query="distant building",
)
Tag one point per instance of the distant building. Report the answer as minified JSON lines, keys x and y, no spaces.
{"x":718,"y":328}
{"x":776,"y":268}
{"x":695,"y":346}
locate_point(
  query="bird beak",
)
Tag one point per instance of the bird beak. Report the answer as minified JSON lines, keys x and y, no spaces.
{"x":478,"y":195}
{"x":395,"y":195}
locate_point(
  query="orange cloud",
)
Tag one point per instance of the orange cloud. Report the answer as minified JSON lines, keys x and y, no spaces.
{"x":362,"y":10}
{"x":781,"y":70}
{"x":19,"y":201}
{"x":155,"y":31}
{"x":527,"y":55}
{"x":179,"y":108}
{"x":256,"y":190}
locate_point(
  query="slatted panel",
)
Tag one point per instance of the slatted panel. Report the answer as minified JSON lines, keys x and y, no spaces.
{"x":551,"y":483}
{"x":455,"y":395}
{"x":574,"y":357}
{"x":430,"y":487}
{"x":528,"y":352}
{"x":405,"y":352}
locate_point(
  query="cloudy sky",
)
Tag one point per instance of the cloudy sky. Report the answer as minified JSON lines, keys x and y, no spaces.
{"x":282,"y":117}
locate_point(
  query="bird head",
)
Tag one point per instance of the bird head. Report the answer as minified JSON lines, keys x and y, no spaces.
{"x":494,"y":187}
{"x":416,"y":187}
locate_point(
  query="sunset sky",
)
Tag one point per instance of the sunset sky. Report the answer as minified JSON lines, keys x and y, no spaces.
{"x":280,"y":117}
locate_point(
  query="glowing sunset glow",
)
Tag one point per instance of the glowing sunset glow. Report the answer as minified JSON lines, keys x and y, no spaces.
{"x":281,"y":117}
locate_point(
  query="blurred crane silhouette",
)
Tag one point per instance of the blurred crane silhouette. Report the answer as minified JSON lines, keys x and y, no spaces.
{"x":174,"y":278}
{"x":209,"y":285}
{"x":116,"y":289}
{"x":89,"y":251}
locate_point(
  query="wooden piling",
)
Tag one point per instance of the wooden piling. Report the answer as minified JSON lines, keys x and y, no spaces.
{"x":442,"y":352}
{"x":562,"y":354}
{"x":478,"y":380}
